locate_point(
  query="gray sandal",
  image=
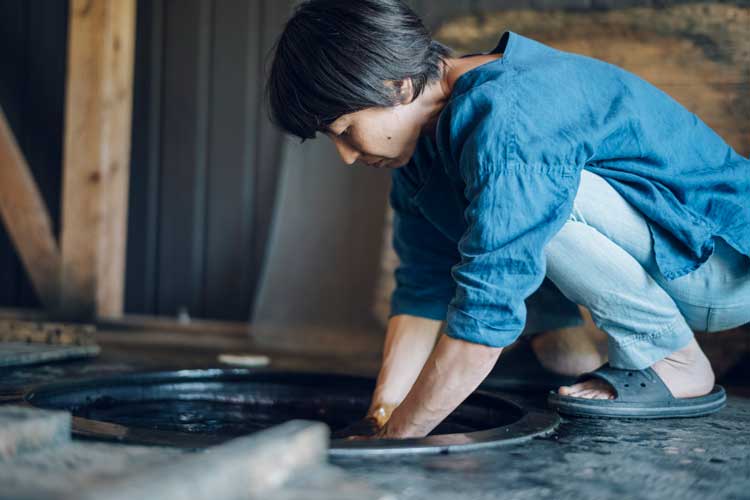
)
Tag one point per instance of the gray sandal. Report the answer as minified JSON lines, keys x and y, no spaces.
{"x":638,"y":394}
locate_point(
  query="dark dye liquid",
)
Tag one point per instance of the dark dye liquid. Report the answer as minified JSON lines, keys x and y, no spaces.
{"x":231,"y":419}
{"x":233,"y":404}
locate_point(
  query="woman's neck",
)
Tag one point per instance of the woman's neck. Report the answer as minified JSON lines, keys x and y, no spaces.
{"x":456,"y":67}
{"x":436,"y":95}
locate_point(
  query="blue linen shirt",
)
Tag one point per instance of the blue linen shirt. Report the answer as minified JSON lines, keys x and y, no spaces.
{"x":475,"y":207}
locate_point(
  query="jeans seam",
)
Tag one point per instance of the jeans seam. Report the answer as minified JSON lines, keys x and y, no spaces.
{"x":681,"y":299}
{"x":709,"y":314}
{"x":576,"y":215}
{"x":636,"y":337}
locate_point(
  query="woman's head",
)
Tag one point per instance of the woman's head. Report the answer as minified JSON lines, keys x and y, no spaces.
{"x":350,"y":69}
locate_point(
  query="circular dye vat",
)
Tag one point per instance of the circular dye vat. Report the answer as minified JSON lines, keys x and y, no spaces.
{"x":199,"y":408}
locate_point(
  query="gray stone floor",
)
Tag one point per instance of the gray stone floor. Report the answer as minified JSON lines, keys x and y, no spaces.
{"x":679,"y":458}
{"x":673,"y":458}
{"x":61,"y":471}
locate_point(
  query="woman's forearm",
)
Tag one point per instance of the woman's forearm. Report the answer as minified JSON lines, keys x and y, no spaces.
{"x":452,"y":372}
{"x":409,"y":341}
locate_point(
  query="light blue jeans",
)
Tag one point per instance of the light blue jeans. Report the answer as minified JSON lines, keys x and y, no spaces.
{"x":603,"y":259}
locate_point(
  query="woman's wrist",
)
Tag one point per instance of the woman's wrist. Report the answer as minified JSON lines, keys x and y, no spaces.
{"x":408,"y":343}
{"x":436,"y":393}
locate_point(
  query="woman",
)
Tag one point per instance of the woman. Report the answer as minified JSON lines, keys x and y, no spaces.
{"x":511,"y":166}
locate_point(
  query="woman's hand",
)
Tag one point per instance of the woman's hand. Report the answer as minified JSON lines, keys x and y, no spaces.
{"x":455,"y":368}
{"x":380,"y":433}
{"x":370,"y":426}
{"x":408,"y":343}
{"x":364,"y":428}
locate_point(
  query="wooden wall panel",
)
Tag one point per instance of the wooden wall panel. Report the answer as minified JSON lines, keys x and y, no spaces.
{"x":699,"y":54}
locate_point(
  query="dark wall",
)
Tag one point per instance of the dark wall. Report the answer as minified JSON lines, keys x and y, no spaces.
{"x":33,"y":36}
{"x":204,"y":158}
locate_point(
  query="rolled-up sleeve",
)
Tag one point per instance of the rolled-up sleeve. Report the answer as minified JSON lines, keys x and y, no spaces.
{"x":512,"y":211}
{"x":424,"y":285}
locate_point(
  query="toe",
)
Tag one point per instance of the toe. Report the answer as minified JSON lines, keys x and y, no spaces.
{"x":571,"y":390}
{"x":590,"y":389}
{"x":589,"y":394}
{"x":565,"y":390}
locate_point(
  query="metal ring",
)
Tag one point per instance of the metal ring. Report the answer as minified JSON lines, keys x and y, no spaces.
{"x":206,"y":385}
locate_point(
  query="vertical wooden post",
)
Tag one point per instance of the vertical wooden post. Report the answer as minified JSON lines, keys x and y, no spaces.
{"x":27,"y":219}
{"x":97,"y":156}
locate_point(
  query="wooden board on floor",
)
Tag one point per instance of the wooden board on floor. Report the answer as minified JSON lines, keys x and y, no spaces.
{"x":33,"y":342}
{"x":21,"y":353}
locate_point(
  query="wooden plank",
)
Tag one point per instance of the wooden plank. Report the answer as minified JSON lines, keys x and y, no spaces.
{"x":97,"y":156}
{"x":113,"y":240}
{"x":44,"y":332}
{"x":14,"y":354}
{"x":26,"y":218}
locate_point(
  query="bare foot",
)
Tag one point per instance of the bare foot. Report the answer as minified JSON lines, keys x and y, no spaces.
{"x":574,"y":350}
{"x":687,"y":373}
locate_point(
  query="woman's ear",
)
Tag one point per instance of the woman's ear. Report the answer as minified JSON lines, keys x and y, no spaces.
{"x":404,"y":90}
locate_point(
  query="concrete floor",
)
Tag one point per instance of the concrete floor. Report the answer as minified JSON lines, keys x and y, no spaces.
{"x":686,"y":458}
{"x":678,"y":458}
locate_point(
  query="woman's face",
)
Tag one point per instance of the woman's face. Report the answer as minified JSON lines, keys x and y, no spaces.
{"x":378,"y":137}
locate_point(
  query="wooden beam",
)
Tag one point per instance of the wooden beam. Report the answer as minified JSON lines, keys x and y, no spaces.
{"x":97,"y":156}
{"x":26,"y":218}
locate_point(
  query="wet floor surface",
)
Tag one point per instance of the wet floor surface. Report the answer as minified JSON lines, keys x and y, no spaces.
{"x":673,"y":458}
{"x":676,"y":458}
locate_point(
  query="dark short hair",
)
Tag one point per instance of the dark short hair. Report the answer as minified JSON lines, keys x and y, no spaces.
{"x":334,"y":57}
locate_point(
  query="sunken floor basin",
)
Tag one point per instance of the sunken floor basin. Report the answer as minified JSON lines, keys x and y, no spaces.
{"x":200,"y":408}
